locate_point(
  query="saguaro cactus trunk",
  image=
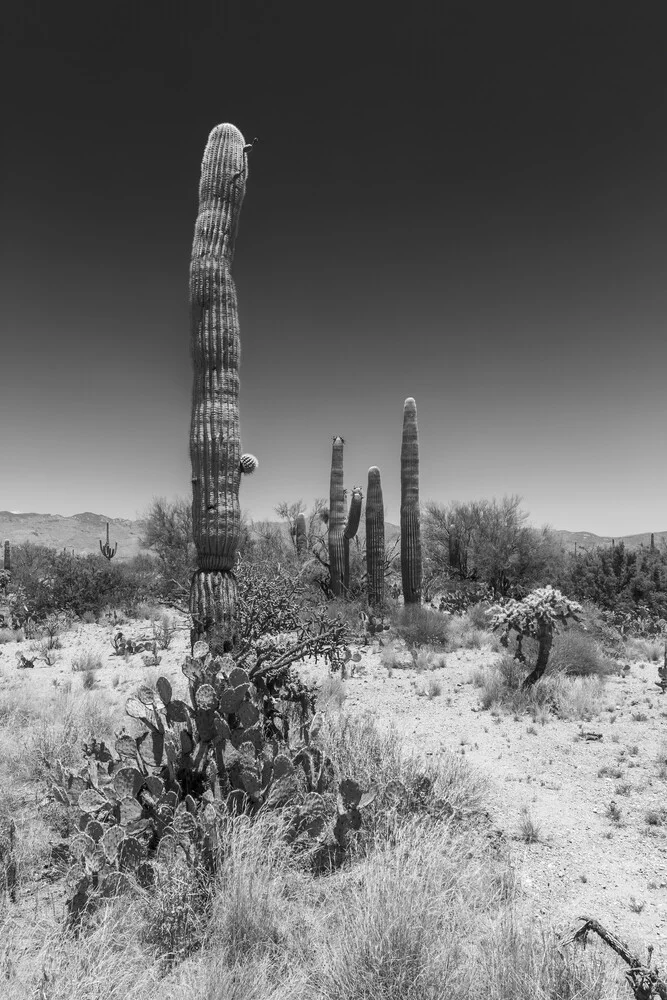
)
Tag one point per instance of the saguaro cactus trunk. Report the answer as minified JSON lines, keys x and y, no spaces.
{"x":337,"y":519}
{"x":375,"y":539}
{"x":301,"y":534}
{"x":8,"y":556}
{"x":215,"y":444}
{"x":411,"y":554}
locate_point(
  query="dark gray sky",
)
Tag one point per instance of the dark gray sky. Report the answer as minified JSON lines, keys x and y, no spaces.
{"x":460,"y":202}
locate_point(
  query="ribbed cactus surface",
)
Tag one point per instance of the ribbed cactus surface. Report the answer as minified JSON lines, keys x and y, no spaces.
{"x":375,"y":539}
{"x":411,"y":555}
{"x":337,"y":518}
{"x":215,"y":443}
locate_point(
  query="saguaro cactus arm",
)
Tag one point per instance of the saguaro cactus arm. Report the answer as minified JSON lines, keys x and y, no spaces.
{"x":215,"y":444}
{"x":351,"y":528}
{"x":411,"y":555}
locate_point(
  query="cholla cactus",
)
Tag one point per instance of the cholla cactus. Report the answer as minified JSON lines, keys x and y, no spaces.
{"x":411,"y":552}
{"x":215,"y":444}
{"x":375,"y":539}
{"x":537,"y":615}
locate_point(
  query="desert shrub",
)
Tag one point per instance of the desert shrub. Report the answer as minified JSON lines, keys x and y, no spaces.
{"x":648,"y":650}
{"x":501,"y":686}
{"x":464,"y":633}
{"x":420,"y":626}
{"x":85,"y":662}
{"x":59,"y":582}
{"x":331,"y":693}
{"x":427,"y":658}
{"x":164,"y":631}
{"x":576,"y":654}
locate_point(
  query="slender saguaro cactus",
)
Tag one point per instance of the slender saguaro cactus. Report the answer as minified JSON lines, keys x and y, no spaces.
{"x":337,"y":518}
{"x":652,"y":542}
{"x":215,"y":445}
{"x":411,"y":554}
{"x":351,"y":528}
{"x":375,"y":539}
{"x":106,"y":549}
{"x":301,"y":534}
{"x":8,"y":557}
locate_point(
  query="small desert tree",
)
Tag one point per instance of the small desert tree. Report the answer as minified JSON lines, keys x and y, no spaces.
{"x":538,"y":615}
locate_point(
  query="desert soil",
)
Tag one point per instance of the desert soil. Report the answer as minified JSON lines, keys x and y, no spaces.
{"x":583,"y":864}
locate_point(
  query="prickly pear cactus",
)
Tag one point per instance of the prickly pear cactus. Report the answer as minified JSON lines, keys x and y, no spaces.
{"x":411,"y":553}
{"x":159,"y":796}
{"x":375,"y":539}
{"x":215,"y":443}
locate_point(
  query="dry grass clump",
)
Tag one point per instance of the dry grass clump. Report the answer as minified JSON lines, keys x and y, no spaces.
{"x":645,"y":650}
{"x":429,"y":659}
{"x":578,"y":655}
{"x":86,"y":662}
{"x":331,"y":693}
{"x":420,"y":626}
{"x":464,"y":633}
{"x":565,"y":697}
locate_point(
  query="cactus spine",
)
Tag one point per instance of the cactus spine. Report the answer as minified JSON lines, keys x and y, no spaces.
{"x":106,"y":549}
{"x":8,"y":557}
{"x":301,"y":534}
{"x":411,"y":555}
{"x":375,"y":539}
{"x":337,"y":519}
{"x":215,"y":445}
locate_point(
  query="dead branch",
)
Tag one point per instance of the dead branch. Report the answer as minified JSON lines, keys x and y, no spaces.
{"x":644,"y":981}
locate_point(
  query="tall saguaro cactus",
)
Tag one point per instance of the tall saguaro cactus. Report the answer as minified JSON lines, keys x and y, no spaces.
{"x":8,"y":556}
{"x":411,"y":554}
{"x":375,"y":539}
{"x":215,"y":444}
{"x":301,"y":533}
{"x":107,"y":551}
{"x":337,"y":518}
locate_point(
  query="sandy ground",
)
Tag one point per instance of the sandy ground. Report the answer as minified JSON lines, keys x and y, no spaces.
{"x":584,"y":863}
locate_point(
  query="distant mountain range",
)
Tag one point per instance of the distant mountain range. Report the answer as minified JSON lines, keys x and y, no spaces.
{"x":83,"y":533}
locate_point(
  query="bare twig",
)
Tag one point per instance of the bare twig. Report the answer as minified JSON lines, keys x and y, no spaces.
{"x":644,"y":981}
